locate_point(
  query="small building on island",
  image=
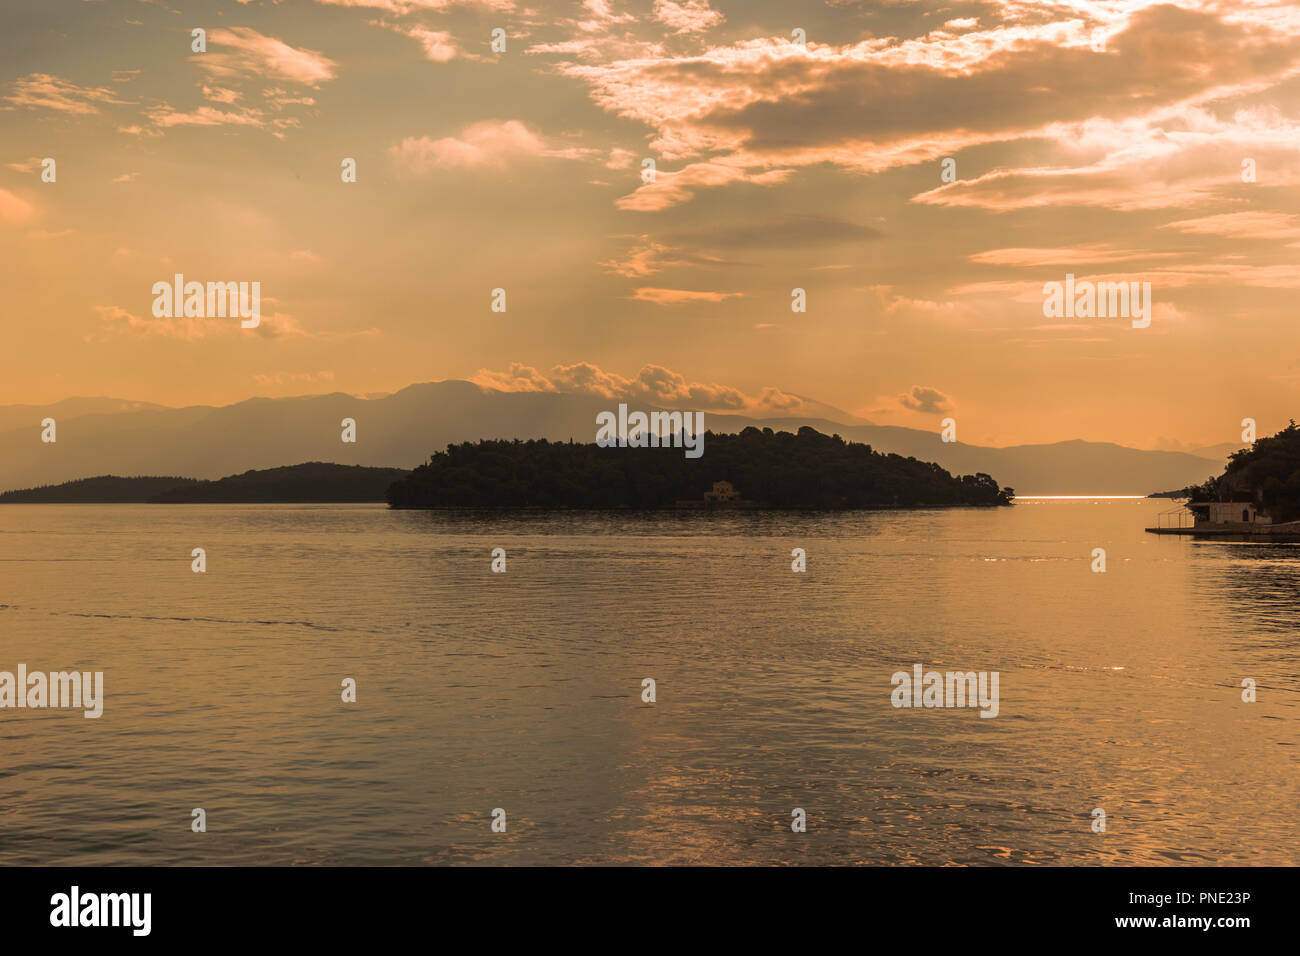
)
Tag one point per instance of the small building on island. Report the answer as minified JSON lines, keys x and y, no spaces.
{"x":1234,"y":513}
{"x":1241,"y":508}
{"x":723,"y":494}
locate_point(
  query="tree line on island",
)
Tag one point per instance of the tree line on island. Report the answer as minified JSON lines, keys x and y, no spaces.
{"x":1270,"y":468}
{"x":807,"y":470}
{"x":312,"y":482}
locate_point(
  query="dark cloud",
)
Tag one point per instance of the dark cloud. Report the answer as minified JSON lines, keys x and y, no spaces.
{"x":923,"y":398}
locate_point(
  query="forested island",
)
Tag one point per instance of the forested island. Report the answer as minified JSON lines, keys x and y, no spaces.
{"x":313,"y":482}
{"x":1268,"y":470}
{"x":102,"y":489}
{"x":807,"y":470}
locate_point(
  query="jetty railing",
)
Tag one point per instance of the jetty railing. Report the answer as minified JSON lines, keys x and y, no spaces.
{"x":1178,"y":517}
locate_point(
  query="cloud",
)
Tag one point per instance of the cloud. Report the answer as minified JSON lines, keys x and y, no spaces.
{"x":275,"y":101}
{"x":923,"y":398}
{"x":681,"y":296}
{"x":29,"y":165}
{"x":116,"y":321}
{"x":1063,"y":256}
{"x":792,"y":229}
{"x":699,"y":246}
{"x":243,"y":54}
{"x":1275,"y":226}
{"x":1229,"y":273}
{"x":686,"y":16}
{"x":14,"y":208}
{"x":43,"y":91}
{"x":773,"y":399}
{"x":294,"y":378}
{"x":648,"y":257}
{"x":439,"y":46}
{"x":409,"y":6}
{"x":246,"y":52}
{"x":1182,"y":158}
{"x":673,"y":187}
{"x":488,"y":144}
{"x":166,"y":117}
{"x":519,"y":378}
{"x":620,"y":159}
{"x":601,"y":11}
{"x":738,"y":112}
{"x":280,"y":325}
{"x":219,"y":94}
{"x":597,"y":34}
{"x":654,"y":384}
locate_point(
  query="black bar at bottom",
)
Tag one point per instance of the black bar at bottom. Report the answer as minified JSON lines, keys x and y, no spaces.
{"x":946,"y":907}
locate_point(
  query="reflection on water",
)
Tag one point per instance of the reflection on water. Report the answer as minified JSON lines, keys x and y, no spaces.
{"x":478,"y":690}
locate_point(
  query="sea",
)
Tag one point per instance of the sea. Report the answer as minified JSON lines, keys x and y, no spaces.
{"x":646,"y":688}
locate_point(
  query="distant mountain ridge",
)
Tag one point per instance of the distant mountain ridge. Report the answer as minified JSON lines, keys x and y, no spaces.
{"x":404,"y":428}
{"x":18,"y":416}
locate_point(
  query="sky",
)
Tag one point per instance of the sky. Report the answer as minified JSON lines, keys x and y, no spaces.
{"x":920,"y":170}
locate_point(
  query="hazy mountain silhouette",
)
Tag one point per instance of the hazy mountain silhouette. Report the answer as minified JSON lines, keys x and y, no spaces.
{"x":20,"y":416}
{"x":1219,"y":452}
{"x":102,"y":436}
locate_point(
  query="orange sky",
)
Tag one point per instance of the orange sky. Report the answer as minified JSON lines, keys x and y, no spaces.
{"x":1103,"y":139}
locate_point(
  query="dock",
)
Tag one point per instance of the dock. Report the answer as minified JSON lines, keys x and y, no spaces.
{"x":1237,"y":534}
{"x":1184,"y":521}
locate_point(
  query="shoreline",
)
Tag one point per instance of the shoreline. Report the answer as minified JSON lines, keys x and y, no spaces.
{"x":1230,"y":534}
{"x":526,"y":508}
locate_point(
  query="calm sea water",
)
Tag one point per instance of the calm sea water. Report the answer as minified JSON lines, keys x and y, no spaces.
{"x":523,"y":690}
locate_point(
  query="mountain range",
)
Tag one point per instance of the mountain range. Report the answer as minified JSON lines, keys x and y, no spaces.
{"x":97,"y":436}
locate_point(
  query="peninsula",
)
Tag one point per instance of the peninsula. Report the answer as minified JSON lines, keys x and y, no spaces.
{"x":313,"y":482}
{"x":1258,"y":495}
